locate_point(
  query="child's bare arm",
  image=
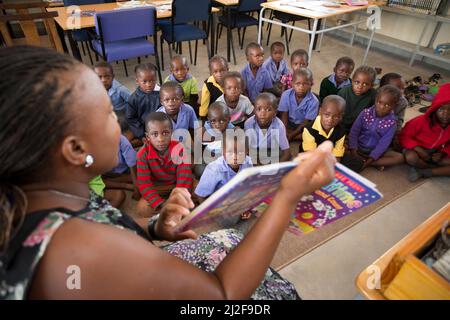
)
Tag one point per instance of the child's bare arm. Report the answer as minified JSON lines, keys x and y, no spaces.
{"x":285,"y":155}
{"x":284,"y":118}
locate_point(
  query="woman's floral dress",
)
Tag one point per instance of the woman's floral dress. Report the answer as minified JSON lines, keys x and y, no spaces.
{"x":26,"y":249}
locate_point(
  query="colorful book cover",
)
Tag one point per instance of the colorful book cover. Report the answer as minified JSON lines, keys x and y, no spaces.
{"x":252,"y":188}
{"x":347,"y":193}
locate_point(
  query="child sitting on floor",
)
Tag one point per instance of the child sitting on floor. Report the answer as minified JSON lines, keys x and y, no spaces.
{"x":276,"y":66}
{"x":142,"y":102}
{"x":373,"y":131}
{"x":118,"y":93}
{"x":211,"y":135}
{"x":239,"y":105}
{"x":267,"y":132}
{"x":182,"y":115}
{"x":123,"y":176}
{"x":340,"y":78}
{"x":212,"y":88}
{"x":327,"y":126}
{"x":257,"y":79}
{"x":397,"y":80}
{"x":234,"y":159}
{"x":298,"y":106}
{"x":179,"y":69}
{"x":426,"y":139}
{"x":299,"y":59}
{"x":359,"y":95}
{"x":161,"y":165}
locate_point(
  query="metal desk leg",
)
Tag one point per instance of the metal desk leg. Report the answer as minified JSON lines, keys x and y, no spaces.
{"x":311,"y":41}
{"x":368,"y":46}
{"x":228,"y":34}
{"x":321,"y":35}
{"x":355,"y":27}
{"x":213,"y":37}
{"x":73,"y":46}
{"x":260,"y":25}
{"x":418,"y":43}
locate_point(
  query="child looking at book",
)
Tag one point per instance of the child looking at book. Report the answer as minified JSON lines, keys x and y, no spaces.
{"x":257,"y":79}
{"x":179,"y":69}
{"x":340,"y":78}
{"x":160,"y":165}
{"x":298,"y":106}
{"x":123,"y":176}
{"x":181,"y":114}
{"x":215,"y":127}
{"x":212,"y":88}
{"x":359,"y":95}
{"x":276,"y":66}
{"x":239,"y":105}
{"x":118,"y":93}
{"x":327,"y":126}
{"x":234,"y":159}
{"x":426,"y":139}
{"x":299,"y":59}
{"x":372,"y":133}
{"x":397,"y":80}
{"x":267,"y":132}
{"x":142,"y":102}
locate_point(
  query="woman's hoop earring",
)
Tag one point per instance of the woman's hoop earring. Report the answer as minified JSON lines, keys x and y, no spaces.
{"x":89,"y":161}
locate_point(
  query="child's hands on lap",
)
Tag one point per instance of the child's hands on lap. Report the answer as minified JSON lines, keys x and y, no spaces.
{"x":437,"y":157}
{"x":422,"y":153}
{"x":175,"y":208}
{"x":315,"y":169}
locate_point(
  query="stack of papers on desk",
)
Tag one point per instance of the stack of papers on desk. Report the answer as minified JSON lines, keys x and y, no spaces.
{"x":309,"y":5}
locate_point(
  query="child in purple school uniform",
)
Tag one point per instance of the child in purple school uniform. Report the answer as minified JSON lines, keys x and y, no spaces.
{"x":372,"y":133}
{"x":256,"y":78}
{"x":276,"y":66}
{"x":267,"y":132}
{"x":298,"y":106}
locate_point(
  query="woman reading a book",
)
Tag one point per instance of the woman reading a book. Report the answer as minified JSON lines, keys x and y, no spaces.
{"x":60,"y":241}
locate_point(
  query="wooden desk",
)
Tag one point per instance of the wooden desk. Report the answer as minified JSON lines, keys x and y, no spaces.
{"x":284,"y":6}
{"x":412,"y":243}
{"x":66,"y":22}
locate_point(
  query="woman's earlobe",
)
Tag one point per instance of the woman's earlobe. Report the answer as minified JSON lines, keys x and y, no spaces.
{"x":74,"y":152}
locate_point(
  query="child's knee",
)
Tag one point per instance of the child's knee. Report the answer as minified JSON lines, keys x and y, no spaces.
{"x":411,"y":157}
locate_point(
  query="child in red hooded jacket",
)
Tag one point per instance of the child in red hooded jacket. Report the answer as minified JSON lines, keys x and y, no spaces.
{"x":426,"y":139}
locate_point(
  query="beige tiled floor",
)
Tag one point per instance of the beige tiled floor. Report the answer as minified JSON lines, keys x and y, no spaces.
{"x":329,"y":271}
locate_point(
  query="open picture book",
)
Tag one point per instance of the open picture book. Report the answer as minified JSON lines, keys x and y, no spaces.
{"x":252,"y":188}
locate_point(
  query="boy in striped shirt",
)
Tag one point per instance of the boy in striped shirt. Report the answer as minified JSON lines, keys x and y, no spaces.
{"x":161,"y":165}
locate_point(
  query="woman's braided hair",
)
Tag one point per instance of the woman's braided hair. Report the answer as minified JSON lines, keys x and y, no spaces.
{"x":33,"y":119}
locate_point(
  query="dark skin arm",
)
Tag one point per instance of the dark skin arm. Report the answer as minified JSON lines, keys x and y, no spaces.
{"x":298,"y":130}
{"x":285,"y":155}
{"x":140,"y":270}
{"x":422,"y":153}
{"x":193,"y":101}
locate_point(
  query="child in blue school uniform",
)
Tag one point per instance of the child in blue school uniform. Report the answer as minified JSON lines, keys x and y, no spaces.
{"x":266,"y":133}
{"x":276,"y":66}
{"x":257,"y":78}
{"x":182,"y":115}
{"x":142,"y":102}
{"x":298,"y":106}
{"x":217,"y":173}
{"x":118,"y":93}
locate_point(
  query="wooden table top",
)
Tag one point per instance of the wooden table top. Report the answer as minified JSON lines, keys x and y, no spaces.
{"x":68,"y":22}
{"x":324,"y":12}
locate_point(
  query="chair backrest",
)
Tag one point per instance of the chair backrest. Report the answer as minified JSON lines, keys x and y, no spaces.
{"x":250,"y":5}
{"x":81,"y":2}
{"x":116,"y":25}
{"x":185,"y":11}
{"x":27,"y":22}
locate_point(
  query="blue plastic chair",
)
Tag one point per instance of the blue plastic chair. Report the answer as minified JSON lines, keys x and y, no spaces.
{"x":122,"y":34}
{"x":240,"y":18}
{"x":185,"y":15}
{"x":82,"y":35}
